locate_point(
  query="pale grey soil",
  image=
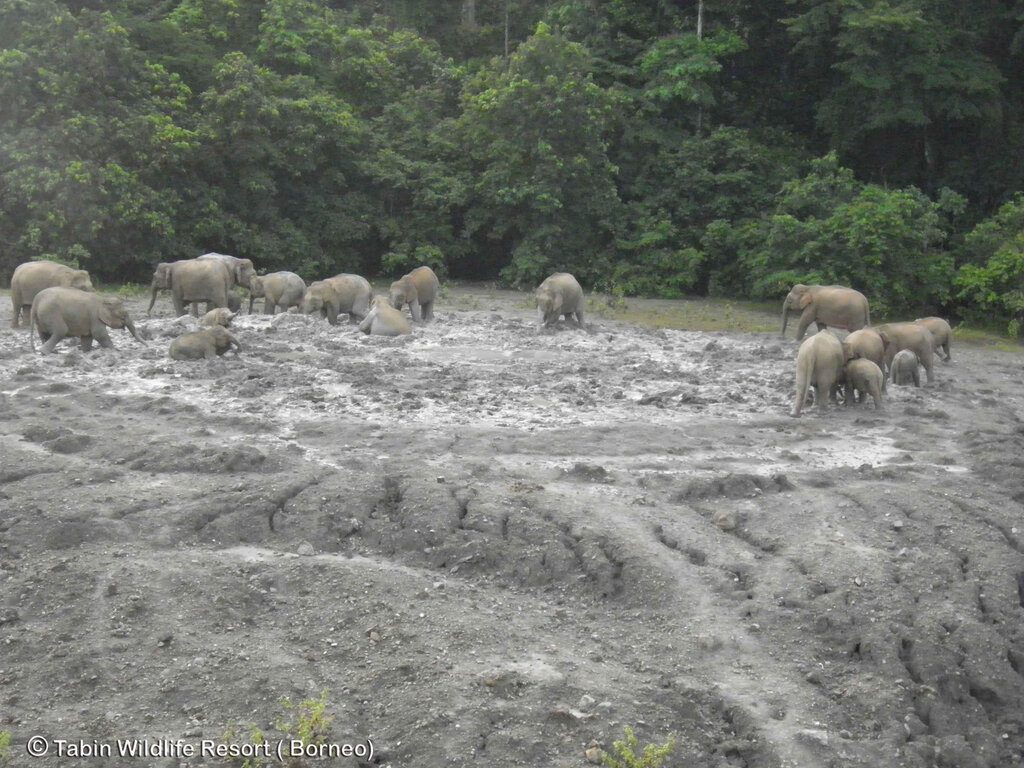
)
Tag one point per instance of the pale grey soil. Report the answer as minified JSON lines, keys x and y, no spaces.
{"x":521,"y":543}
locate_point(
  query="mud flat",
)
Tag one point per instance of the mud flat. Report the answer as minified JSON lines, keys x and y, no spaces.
{"x":493,"y":547}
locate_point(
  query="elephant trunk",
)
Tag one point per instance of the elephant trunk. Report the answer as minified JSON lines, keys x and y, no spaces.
{"x":131,"y":329}
{"x":785,"y":317}
{"x":152,"y":301}
{"x":252,"y":298}
{"x":31,"y":328}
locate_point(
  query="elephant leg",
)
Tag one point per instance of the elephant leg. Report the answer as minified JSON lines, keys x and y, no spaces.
{"x":268,"y":306}
{"x":806,"y":318}
{"x":821,"y":325}
{"x":86,"y":343}
{"x":428,"y":311}
{"x":103,"y":337}
{"x":945,"y":349}
{"x":57,"y":333}
{"x":210,"y":353}
{"x":579,"y":317}
{"x":417,"y":313}
{"x":928,"y":368}
{"x":878,"y":401}
{"x":332,"y":313}
{"x":823,"y":394}
{"x":917,"y":377}
{"x":179,"y":305}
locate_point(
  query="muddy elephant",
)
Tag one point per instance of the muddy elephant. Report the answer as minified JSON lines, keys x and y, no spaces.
{"x":192,"y":281}
{"x":912,"y":336}
{"x":941,"y":332}
{"x":220,"y":316}
{"x":826,"y":305}
{"x":904,"y":369}
{"x":384,"y":320}
{"x":560,"y":294}
{"x":863,"y":377}
{"x":278,"y":289}
{"x":819,"y":363}
{"x":418,"y":289}
{"x":203,"y":345}
{"x":869,"y":345}
{"x":58,"y":313}
{"x":241,"y":271}
{"x":343,"y":293}
{"x":34,"y":276}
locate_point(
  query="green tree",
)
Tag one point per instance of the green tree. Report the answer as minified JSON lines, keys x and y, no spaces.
{"x":991,"y":281}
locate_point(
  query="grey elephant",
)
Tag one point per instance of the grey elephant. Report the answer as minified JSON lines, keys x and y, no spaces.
{"x":384,"y":320}
{"x":205,"y":344}
{"x":819,"y":363}
{"x":863,"y":377}
{"x":912,"y":336}
{"x":941,"y":332}
{"x":58,"y":313}
{"x":278,"y":289}
{"x":418,"y":289}
{"x":192,"y":281}
{"x":869,"y":345}
{"x":905,"y":369}
{"x":826,"y":305}
{"x":241,"y":270}
{"x":560,"y":294}
{"x":220,"y":316}
{"x":351,"y":294}
{"x":34,"y":276}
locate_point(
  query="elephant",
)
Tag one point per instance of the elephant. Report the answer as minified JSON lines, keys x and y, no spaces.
{"x":62,"y":312}
{"x":418,"y":289}
{"x":912,"y":336}
{"x":341,"y":293}
{"x":865,"y":377}
{"x":192,"y":280}
{"x":278,"y":289}
{"x":234,"y":301}
{"x":560,"y":294}
{"x":241,"y":270}
{"x":826,"y":305}
{"x":205,"y":344}
{"x":219,"y":316}
{"x":819,"y":363}
{"x":868,"y":344}
{"x":32,"y":277}
{"x":942,"y":334}
{"x":905,"y":369}
{"x":384,"y":320}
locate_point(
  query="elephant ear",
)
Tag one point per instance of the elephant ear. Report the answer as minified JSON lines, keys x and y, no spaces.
{"x":886,"y":341}
{"x":110,"y":314}
{"x":805,"y":301}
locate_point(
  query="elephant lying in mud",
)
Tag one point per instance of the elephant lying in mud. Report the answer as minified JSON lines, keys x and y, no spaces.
{"x":384,"y":320}
{"x":219,"y":316}
{"x":826,"y":305}
{"x":61,"y":312}
{"x":819,"y":363}
{"x":560,"y":294}
{"x":203,"y":345}
{"x":278,"y":289}
{"x":904,"y":369}
{"x":863,"y":377}
{"x":418,"y":289}
{"x":351,"y":294}
{"x":34,"y":276}
{"x":941,"y":332}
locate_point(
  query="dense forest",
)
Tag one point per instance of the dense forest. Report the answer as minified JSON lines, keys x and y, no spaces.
{"x":724,"y":147}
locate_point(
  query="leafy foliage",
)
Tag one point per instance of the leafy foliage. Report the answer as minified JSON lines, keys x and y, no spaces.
{"x":992,"y":280}
{"x":626,"y":756}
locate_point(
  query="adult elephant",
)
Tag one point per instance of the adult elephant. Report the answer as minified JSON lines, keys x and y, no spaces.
{"x":819,"y":364}
{"x":242,"y":270}
{"x":418,"y":289}
{"x":917,"y":338}
{"x":192,"y":281}
{"x":34,"y":276}
{"x":278,"y":289}
{"x":826,"y":305}
{"x":342,"y":293}
{"x":560,"y":294}
{"x":61,"y":312}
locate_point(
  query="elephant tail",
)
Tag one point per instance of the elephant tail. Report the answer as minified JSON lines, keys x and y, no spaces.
{"x":32,"y":327}
{"x":803,"y":383}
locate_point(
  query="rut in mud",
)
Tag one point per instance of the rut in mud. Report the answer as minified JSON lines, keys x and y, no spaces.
{"x":498,"y":547}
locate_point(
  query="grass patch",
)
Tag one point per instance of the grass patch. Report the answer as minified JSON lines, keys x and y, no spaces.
{"x":688,"y":314}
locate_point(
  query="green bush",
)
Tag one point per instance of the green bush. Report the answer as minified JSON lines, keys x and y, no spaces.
{"x":991,"y":282}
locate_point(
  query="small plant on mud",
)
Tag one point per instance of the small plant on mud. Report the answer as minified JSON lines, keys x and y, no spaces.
{"x":652,"y":756}
{"x":5,"y":747}
{"x":256,"y":736}
{"x":311,"y":724}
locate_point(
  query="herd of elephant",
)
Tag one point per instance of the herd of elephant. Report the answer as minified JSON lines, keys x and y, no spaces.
{"x":869,"y":356}
{"x":61,"y":303}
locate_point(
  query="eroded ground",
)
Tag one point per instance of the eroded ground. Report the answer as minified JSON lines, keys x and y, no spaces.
{"x":494,"y":547}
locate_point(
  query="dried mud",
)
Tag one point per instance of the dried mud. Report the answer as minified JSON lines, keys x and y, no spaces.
{"x":493,"y":546}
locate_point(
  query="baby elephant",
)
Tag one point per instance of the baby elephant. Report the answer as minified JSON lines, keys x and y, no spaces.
{"x":904,"y":369}
{"x":865,"y":378}
{"x":384,"y":320}
{"x":278,"y":289}
{"x":204,"y":345}
{"x":219,"y":316}
{"x":559,"y":295}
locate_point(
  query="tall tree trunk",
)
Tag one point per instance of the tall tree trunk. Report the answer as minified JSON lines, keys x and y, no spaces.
{"x":469,"y":13}
{"x":507,"y":3}
{"x":700,"y":36}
